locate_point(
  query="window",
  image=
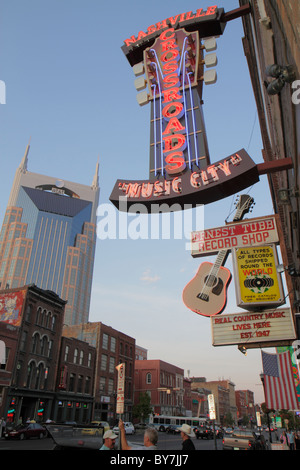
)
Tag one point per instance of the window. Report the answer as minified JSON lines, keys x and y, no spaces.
{"x":81,"y":358}
{"x":89,"y":359}
{"x":66,"y":353}
{"x":148,"y":378}
{"x":79,"y":384}
{"x":110,"y":386}
{"x":102,"y":384}
{"x":75,"y":356}
{"x":112,"y":365}
{"x":113,"y":344}
{"x":105,"y":341}
{"x":103,"y":362}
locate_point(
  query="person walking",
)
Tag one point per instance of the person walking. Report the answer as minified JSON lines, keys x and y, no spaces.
{"x":186,"y":434}
{"x":291,"y":439}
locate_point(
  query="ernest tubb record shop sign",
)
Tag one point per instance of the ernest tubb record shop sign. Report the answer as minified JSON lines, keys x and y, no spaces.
{"x":172,"y":60}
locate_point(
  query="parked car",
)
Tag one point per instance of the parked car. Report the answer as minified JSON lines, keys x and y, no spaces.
{"x":96,"y":428}
{"x":129,"y":428}
{"x":171,"y":429}
{"x":203,"y":432}
{"x":26,"y":431}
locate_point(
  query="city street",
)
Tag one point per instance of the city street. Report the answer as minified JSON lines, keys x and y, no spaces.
{"x":165,"y":442}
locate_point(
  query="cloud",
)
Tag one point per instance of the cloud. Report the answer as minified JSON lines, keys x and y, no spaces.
{"x":146,"y":277}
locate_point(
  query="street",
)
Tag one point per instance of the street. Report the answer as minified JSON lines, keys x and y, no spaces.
{"x":165,"y":442}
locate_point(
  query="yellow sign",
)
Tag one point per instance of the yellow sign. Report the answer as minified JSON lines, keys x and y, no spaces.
{"x":257,"y":280}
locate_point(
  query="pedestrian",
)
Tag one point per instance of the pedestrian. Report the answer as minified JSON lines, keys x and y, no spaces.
{"x":297,"y":440}
{"x":109,"y":439}
{"x":150,"y":439}
{"x":283,"y":438}
{"x":291,"y":439}
{"x":186,"y":434}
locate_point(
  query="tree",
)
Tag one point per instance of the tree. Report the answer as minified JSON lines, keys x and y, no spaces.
{"x":143,"y":408}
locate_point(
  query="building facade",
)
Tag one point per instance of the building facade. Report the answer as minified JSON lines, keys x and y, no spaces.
{"x":48,"y":238}
{"x":164,"y":383}
{"x":31,"y":323}
{"x":112,"y":348}
{"x":75,"y":381}
{"x":245,"y":406}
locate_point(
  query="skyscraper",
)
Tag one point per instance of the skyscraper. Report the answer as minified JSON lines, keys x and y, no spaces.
{"x":48,"y":238}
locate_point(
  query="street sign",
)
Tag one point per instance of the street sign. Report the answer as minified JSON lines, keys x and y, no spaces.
{"x":211,"y":407}
{"x":120,"y":388}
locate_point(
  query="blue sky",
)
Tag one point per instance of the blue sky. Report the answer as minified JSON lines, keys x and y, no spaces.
{"x":71,"y":90}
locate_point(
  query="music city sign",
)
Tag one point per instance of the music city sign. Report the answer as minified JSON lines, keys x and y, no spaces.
{"x":170,"y":54}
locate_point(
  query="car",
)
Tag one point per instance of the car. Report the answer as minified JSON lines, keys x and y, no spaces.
{"x":171,"y":429}
{"x":96,"y":428}
{"x":129,"y":428}
{"x":26,"y":431}
{"x":203,"y":432}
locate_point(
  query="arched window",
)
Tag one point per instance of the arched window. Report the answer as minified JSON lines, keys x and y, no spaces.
{"x":35,"y":343}
{"x":148,"y":378}
{"x":75,"y":356}
{"x":30,"y":374}
{"x":44,"y":345}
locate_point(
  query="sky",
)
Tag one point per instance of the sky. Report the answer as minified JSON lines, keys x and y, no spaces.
{"x":70,"y":92}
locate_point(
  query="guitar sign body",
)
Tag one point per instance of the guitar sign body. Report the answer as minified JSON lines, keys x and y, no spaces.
{"x":206,"y":293}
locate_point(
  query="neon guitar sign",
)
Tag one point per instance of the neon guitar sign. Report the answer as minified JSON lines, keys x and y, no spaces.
{"x":170,"y":55}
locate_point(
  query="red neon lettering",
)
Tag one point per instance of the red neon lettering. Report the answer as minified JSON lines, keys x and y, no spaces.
{"x":129,"y":41}
{"x":211,"y":10}
{"x":169,"y":67}
{"x":177,"y":18}
{"x":175,"y":185}
{"x":174,"y":142}
{"x":165,"y":36}
{"x":167,"y":45}
{"x":170,"y":55}
{"x":176,"y":163}
{"x":213,"y":171}
{"x":174,"y":125}
{"x":193,"y":179}
{"x":162,"y":25}
{"x":141,"y":35}
{"x":172,"y":110}
{"x":171,"y":80}
{"x":172,"y":94}
{"x":151,"y":29}
{"x":189,"y":16}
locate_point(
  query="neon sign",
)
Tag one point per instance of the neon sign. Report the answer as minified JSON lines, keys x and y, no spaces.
{"x":170,"y":55}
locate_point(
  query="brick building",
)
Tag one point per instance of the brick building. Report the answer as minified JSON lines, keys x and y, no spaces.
{"x":164,"y":383}
{"x":31,"y":322}
{"x":112,"y":348}
{"x":75,"y":381}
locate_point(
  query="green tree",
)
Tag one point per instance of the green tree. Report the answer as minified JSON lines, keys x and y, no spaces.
{"x":143,"y":408}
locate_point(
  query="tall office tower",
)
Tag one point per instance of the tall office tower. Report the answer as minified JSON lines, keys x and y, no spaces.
{"x":48,"y":238}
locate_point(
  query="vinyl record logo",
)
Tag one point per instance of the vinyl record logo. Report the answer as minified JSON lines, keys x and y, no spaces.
{"x":258,"y":285}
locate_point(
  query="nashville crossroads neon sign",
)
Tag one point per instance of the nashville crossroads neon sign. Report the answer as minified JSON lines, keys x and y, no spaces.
{"x":180,"y":168}
{"x":180,"y":19}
